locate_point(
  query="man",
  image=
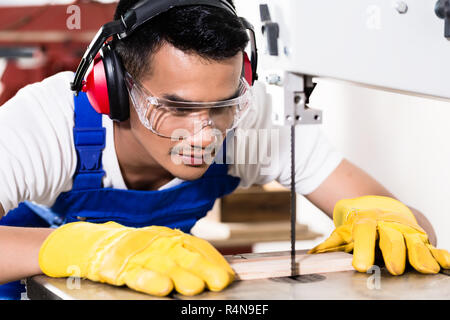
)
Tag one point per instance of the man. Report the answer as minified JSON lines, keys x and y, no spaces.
{"x":188,"y":62}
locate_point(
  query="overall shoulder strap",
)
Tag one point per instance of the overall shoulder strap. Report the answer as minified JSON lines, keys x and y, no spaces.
{"x":89,"y":139}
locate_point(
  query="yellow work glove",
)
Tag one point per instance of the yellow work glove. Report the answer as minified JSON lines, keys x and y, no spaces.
{"x":154,"y":259}
{"x":361,"y":221}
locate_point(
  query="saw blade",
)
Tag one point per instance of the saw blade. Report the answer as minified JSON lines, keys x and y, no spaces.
{"x":293,"y":203}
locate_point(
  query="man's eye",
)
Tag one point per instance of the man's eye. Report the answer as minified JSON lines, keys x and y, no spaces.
{"x":182,"y":111}
{"x":222,"y":110}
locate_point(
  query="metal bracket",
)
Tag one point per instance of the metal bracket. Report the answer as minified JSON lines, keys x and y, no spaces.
{"x":297,"y":90}
{"x":290,"y":94}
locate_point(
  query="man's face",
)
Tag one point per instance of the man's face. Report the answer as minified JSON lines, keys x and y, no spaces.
{"x":186,"y":77}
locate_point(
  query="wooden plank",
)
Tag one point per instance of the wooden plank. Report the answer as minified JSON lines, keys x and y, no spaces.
{"x":278,"y":264}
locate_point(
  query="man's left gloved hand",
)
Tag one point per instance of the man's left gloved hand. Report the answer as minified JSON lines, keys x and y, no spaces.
{"x":154,"y":259}
{"x":361,"y":221}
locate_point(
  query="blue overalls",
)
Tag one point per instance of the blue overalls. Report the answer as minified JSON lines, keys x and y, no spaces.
{"x":179,"y":206}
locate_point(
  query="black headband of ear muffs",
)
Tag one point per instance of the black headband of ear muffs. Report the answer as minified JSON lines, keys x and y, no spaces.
{"x":140,"y":13}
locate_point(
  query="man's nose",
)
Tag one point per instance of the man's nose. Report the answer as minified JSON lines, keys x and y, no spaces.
{"x":204,"y":137}
{"x":204,"y":132}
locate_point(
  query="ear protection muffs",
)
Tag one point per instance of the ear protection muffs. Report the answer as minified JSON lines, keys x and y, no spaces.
{"x":105,"y":87}
{"x":104,"y":84}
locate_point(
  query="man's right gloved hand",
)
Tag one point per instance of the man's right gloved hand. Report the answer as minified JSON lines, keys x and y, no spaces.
{"x":361,"y":221}
{"x":154,"y":259}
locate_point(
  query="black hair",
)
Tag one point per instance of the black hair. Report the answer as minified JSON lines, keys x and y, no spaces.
{"x":212,"y":33}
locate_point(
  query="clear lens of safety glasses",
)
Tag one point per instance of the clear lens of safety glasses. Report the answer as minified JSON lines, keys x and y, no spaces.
{"x":179,"y":120}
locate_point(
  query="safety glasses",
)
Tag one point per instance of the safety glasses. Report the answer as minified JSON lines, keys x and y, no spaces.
{"x":179,"y":120}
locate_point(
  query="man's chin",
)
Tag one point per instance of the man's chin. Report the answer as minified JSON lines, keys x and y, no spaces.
{"x":190,"y":172}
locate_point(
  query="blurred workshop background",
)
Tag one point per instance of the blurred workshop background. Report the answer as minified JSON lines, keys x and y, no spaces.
{"x":399,"y":139}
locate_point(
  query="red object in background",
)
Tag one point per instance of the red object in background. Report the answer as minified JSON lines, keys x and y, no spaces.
{"x":53,"y":30}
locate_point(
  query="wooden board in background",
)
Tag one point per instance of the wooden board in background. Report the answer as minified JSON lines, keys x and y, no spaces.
{"x":252,"y":205}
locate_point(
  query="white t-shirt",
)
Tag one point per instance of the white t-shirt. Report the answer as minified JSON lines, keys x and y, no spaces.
{"x":38,"y":157}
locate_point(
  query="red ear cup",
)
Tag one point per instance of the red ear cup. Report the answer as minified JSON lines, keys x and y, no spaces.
{"x":105,"y":86}
{"x":248,"y":69}
{"x":96,"y":87}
